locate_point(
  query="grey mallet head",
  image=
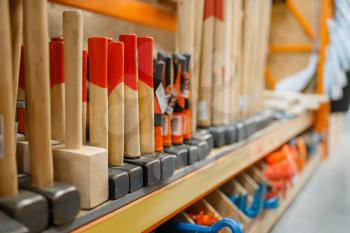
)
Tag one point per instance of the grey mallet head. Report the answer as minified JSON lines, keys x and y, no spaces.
{"x":63,"y":200}
{"x":27,"y":208}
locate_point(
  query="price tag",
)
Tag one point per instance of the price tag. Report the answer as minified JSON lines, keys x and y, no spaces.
{"x":176,"y":125}
{"x":21,"y":104}
{"x":162,"y":99}
{"x":202,"y":111}
{"x":165,"y":126}
{"x":2,"y":143}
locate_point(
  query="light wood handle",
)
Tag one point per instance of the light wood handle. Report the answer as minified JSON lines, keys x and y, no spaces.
{"x":131,"y":120}
{"x":84,"y":94}
{"x":57,"y":89}
{"x":206,"y":82}
{"x":98,"y":107}
{"x":16,"y":13}
{"x":73,"y":40}
{"x":221,"y":88}
{"x":146,"y":95}
{"x":37,"y":91}
{"x":8,"y":169}
{"x":116,"y":103}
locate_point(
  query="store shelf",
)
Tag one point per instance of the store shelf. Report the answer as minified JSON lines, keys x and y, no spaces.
{"x":265,"y":222}
{"x":131,"y":10}
{"x":160,"y":203}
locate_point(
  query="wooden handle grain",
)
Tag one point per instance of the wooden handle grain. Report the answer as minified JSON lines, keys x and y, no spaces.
{"x":16,"y":14}
{"x":8,"y":169}
{"x":73,"y":40}
{"x":98,"y":108}
{"x":84,"y":94}
{"x":37,"y":91}
{"x":131,"y":120}
{"x":146,"y":95}
{"x":57,"y":90}
{"x":115,"y":103}
{"x":221,"y":88}
{"x":205,"y":86}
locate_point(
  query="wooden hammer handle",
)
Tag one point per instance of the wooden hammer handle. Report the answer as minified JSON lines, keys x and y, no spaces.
{"x":116,"y":103}
{"x":37,"y":91}
{"x":131,"y":120}
{"x":146,"y":95}
{"x":8,"y":170}
{"x":16,"y":13}
{"x":73,"y":40}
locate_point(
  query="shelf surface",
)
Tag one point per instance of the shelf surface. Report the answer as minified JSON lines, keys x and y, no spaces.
{"x":131,"y":10}
{"x":188,"y":185}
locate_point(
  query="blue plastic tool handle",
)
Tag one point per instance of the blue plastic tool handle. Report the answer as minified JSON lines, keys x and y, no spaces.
{"x":234,"y":226}
{"x":272,"y":203}
{"x":257,"y":205}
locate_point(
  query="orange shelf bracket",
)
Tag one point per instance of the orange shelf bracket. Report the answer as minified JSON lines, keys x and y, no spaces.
{"x":291,"y":48}
{"x":301,"y":19}
{"x":131,"y":10}
{"x":270,"y":79}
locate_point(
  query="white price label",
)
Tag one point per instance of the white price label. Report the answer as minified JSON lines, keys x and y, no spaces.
{"x":165,"y":126}
{"x":21,"y":104}
{"x":176,"y":125}
{"x":2,"y":143}
{"x":203,"y":111}
{"x":162,"y":99}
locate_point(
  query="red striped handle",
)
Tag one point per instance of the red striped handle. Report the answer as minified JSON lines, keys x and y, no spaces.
{"x":98,"y":50}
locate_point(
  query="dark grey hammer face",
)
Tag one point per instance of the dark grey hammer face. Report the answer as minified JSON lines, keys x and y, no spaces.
{"x":135,"y":174}
{"x":192,"y":153}
{"x":202,"y":147}
{"x":181,"y":155}
{"x":230,"y":134}
{"x":8,"y":224}
{"x":118,"y":183}
{"x":27,"y":208}
{"x":150,"y":167}
{"x":204,"y":135}
{"x":167,"y":164}
{"x":218,"y":133}
{"x":63,"y":199}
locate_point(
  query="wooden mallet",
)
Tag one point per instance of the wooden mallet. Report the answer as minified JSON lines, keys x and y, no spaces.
{"x":83,"y":166}
{"x":64,"y":199}
{"x":25,"y":207}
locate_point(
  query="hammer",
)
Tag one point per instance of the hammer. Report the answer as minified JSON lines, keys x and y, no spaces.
{"x":74,"y":155}
{"x":139,"y":97}
{"x":123,"y":177}
{"x":19,"y":205}
{"x":180,"y":153}
{"x":64,"y":199}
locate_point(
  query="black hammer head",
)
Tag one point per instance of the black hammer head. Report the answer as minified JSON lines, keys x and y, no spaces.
{"x":27,"y":208}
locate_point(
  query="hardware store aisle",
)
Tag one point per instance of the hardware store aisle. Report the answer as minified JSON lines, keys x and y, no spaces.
{"x":323,"y":206}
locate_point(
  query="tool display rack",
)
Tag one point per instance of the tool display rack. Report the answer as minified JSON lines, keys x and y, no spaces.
{"x":148,"y":208}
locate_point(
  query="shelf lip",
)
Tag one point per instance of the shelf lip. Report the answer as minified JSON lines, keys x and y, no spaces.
{"x":152,"y":210}
{"x":130,"y":10}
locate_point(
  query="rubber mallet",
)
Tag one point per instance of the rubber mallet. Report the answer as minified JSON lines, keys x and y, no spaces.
{"x":167,"y":161}
{"x":187,"y":121}
{"x":180,"y":153}
{"x":177,"y":126}
{"x":123,"y":177}
{"x":25,"y":207}
{"x":87,"y":164}
{"x":139,"y":84}
{"x":64,"y":199}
